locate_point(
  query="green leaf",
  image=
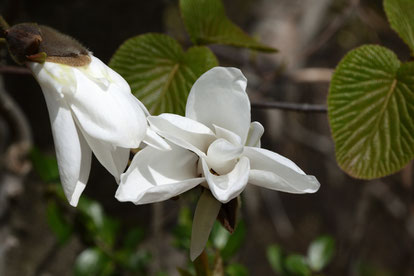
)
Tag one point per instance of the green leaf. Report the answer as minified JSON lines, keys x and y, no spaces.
{"x":320,"y":252}
{"x":93,"y":262}
{"x":296,"y":265}
{"x":207,"y":23}
{"x":100,"y":227}
{"x":92,"y":210}
{"x":274,"y":256}
{"x":45,"y":166}
{"x":371,"y":112}
{"x":234,"y":242}
{"x":159,"y":72}
{"x":57,"y":223}
{"x":236,"y":270}
{"x":400,"y":15}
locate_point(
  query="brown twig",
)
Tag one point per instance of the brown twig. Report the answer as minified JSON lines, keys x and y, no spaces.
{"x":318,"y":108}
{"x":14,"y":70}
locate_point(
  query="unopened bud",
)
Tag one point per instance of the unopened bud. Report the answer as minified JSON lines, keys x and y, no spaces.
{"x":29,"y":42}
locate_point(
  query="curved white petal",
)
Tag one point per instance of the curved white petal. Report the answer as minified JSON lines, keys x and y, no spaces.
{"x":205,"y":215}
{"x":222,"y":156}
{"x":228,"y":186}
{"x":72,"y":152}
{"x":183,"y":132}
{"x":53,"y":77}
{"x":218,"y":97}
{"x":273,"y":171}
{"x":104,"y":107}
{"x":156,"y":175}
{"x":154,"y":140}
{"x":114,"y":159}
{"x":255,"y":133}
{"x":228,"y":135}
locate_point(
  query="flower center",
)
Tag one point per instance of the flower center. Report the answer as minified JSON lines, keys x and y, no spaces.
{"x":222,"y":156}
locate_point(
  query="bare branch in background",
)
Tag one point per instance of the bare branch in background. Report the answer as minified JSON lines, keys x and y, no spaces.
{"x":15,"y":157}
{"x":14,"y":70}
{"x":320,"y":108}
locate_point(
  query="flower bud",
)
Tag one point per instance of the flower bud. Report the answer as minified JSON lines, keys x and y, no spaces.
{"x":37,"y":43}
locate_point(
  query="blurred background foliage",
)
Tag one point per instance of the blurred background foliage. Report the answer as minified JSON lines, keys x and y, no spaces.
{"x":349,"y":227}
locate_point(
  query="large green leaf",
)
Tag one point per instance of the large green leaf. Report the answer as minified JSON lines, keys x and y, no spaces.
{"x":400,"y":15}
{"x":371,"y":111}
{"x":207,"y":23}
{"x":159,"y":72}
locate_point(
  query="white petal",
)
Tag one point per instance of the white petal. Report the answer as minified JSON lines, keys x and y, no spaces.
{"x":273,"y":171}
{"x":155,"y":141}
{"x":156,"y":175}
{"x":72,"y":152}
{"x":105,"y":108}
{"x":57,"y":79}
{"x":218,"y":97}
{"x":114,"y":159}
{"x":183,"y":132}
{"x":228,"y":186}
{"x":223,"y":155}
{"x":255,"y":133}
{"x":205,"y":215}
{"x":228,"y":135}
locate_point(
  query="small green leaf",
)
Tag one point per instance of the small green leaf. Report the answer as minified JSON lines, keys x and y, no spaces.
{"x":207,"y":23}
{"x":275,"y":258}
{"x":100,"y":227}
{"x":57,"y":223}
{"x":93,"y":262}
{"x":236,"y":270}
{"x":371,"y":112}
{"x":320,"y":252}
{"x":400,"y":15}
{"x":139,"y":261}
{"x":45,"y":166}
{"x":296,"y":265}
{"x":159,"y":72}
{"x":234,"y":242}
{"x":92,"y":210}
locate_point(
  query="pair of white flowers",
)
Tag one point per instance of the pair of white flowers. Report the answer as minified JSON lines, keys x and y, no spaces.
{"x":215,"y":145}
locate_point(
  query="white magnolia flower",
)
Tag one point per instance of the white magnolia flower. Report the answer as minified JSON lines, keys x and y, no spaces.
{"x":91,"y":109}
{"x":215,"y":145}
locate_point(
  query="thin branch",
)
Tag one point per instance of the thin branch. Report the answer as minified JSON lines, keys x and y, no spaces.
{"x":14,"y":70}
{"x":317,"y":108}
